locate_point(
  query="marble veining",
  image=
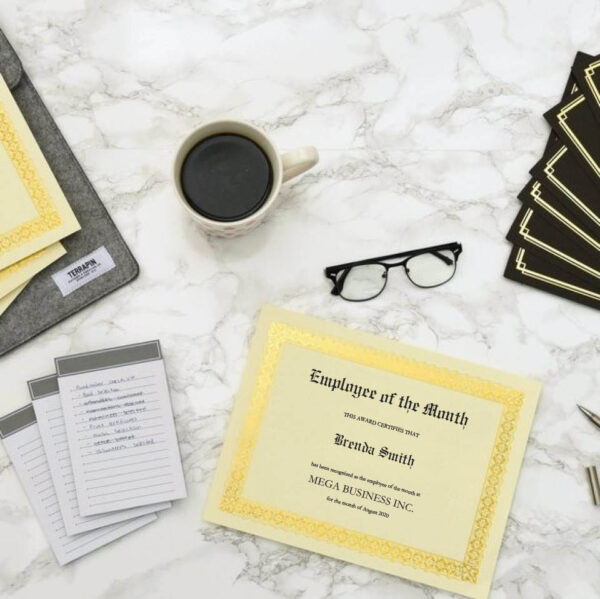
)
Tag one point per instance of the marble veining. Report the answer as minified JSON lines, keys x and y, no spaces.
{"x":428,"y":116}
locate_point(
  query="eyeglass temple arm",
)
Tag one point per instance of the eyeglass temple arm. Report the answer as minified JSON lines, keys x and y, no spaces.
{"x":434,"y":249}
{"x":443,"y":258}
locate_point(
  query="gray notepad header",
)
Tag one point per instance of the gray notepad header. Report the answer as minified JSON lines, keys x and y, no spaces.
{"x":42,"y":387}
{"x":17,"y":420}
{"x":108,"y":358}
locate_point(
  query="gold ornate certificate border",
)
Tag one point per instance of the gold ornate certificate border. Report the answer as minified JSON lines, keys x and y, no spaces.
{"x":521,"y":266}
{"x":511,"y":400}
{"x":48,"y":217}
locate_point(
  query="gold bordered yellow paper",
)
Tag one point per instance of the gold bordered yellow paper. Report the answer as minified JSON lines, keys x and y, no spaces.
{"x":253,"y":492}
{"x":34,"y":212}
{"x":22,"y":271}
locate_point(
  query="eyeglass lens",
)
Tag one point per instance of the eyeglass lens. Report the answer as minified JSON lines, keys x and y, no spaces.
{"x":431,"y":269}
{"x":362,"y":282}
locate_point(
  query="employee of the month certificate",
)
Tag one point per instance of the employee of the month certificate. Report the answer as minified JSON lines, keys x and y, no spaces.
{"x":373,"y":452}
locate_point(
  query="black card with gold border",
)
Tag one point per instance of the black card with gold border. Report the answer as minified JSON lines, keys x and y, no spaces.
{"x":533,"y":269}
{"x":574,"y":122}
{"x":535,"y":230}
{"x":584,"y":228}
{"x":586,"y":70}
{"x":562,"y":176}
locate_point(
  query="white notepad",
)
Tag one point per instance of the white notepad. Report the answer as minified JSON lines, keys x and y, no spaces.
{"x":49,"y":415}
{"x":21,"y":437}
{"x":120,"y":428}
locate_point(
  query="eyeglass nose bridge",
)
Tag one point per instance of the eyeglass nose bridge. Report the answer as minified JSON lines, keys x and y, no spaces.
{"x":394,"y":264}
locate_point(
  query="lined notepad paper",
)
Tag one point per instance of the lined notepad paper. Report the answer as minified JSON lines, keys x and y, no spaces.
{"x":120,"y":429}
{"x":49,"y":414}
{"x":21,"y":436}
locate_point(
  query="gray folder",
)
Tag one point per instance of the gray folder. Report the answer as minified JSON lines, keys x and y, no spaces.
{"x":42,"y":304}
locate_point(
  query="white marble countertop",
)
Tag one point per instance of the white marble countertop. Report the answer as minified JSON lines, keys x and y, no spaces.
{"x":428,"y":116}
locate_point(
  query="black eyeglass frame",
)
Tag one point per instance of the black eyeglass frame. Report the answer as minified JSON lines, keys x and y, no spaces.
{"x":331,"y":272}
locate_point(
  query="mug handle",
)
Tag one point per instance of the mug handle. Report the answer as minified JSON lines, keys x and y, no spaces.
{"x":298,"y":161}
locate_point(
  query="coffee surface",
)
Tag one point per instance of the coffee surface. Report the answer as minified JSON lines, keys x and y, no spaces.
{"x":226,"y":177}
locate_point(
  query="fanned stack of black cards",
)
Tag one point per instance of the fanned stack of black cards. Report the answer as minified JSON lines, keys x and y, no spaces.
{"x":556,"y":235}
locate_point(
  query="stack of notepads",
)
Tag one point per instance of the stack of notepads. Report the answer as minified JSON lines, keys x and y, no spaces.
{"x":96,"y":451}
{"x":34,"y":213}
{"x":556,"y":234}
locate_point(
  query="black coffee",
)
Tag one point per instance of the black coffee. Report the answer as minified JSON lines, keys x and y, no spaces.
{"x":226,"y":177}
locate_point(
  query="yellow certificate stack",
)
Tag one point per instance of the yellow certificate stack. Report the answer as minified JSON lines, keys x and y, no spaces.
{"x":34,"y":213}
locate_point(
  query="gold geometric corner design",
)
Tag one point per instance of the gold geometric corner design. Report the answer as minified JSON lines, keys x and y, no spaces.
{"x":589,"y":77}
{"x":521,"y":266}
{"x":550,"y":170}
{"x":562,"y":117}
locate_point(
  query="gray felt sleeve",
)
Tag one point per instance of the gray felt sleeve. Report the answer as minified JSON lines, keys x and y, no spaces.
{"x":41,"y":305}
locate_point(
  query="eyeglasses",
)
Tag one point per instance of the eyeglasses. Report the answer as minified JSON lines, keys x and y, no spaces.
{"x":363,"y":280}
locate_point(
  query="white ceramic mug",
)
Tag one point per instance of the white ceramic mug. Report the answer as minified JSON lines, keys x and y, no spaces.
{"x":284,"y":167}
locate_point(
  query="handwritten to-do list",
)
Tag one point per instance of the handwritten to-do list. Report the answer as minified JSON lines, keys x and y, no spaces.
{"x":120,"y":428}
{"x":49,"y":415}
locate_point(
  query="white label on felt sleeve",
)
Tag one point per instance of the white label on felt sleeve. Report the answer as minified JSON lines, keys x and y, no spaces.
{"x":83,"y":271}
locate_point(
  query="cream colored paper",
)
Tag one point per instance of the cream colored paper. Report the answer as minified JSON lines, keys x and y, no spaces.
{"x":22,"y":271}
{"x":9,"y":298}
{"x":360,"y":474}
{"x":34,"y":212}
